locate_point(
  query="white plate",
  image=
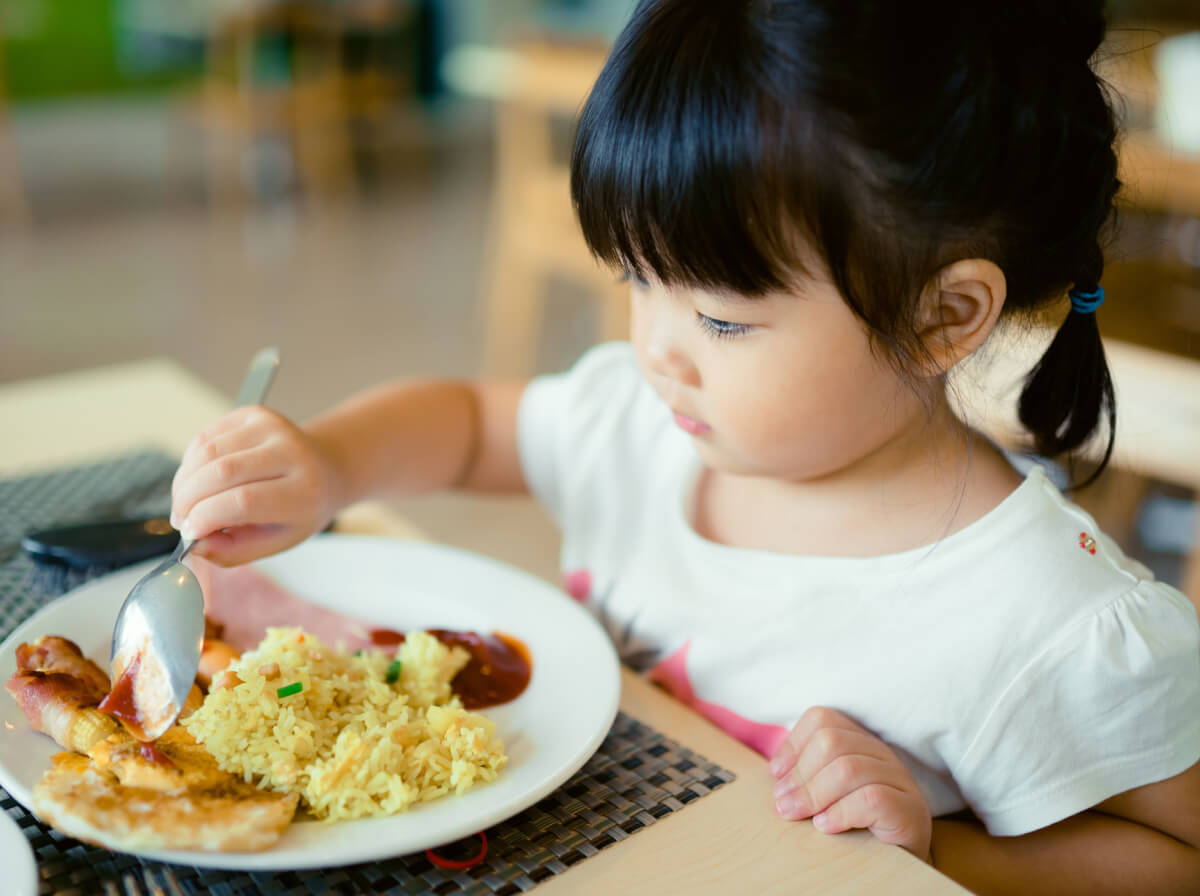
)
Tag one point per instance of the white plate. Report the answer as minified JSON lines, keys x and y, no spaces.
{"x":549,"y":731}
{"x":16,"y":858}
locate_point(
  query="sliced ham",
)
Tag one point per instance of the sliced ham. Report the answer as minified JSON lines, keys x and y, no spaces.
{"x":245,"y":602}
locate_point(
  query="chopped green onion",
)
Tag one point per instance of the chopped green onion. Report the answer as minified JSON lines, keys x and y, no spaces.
{"x":358,"y":653}
{"x":289,"y":689}
{"x":393,"y":672}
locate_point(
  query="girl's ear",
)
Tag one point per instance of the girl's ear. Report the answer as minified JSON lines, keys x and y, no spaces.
{"x":959,"y":308}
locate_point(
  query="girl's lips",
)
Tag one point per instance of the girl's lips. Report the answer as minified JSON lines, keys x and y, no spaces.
{"x":694,"y":427}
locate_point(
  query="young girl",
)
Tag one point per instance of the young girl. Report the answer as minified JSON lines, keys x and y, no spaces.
{"x":822,"y":207}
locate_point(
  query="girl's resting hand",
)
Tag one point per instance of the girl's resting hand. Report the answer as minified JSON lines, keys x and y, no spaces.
{"x":832,"y":769}
{"x":251,"y":484}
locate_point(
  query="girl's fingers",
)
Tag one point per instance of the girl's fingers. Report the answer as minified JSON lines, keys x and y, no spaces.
{"x":256,"y":463}
{"x":844,"y":777}
{"x":799,"y":797}
{"x":260,"y":503}
{"x":829,"y":745}
{"x":891,"y":814}
{"x":242,"y":544}
{"x":815,"y":719}
{"x":235,"y":419}
{"x":234,"y":432}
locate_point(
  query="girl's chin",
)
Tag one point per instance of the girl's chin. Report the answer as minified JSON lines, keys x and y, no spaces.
{"x":715,"y":459}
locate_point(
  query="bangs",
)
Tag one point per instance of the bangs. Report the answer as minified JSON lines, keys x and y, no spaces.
{"x":685,"y":166}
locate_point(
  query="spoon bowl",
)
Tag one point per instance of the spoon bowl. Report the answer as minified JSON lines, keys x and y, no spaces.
{"x":159,"y":632}
{"x":156,"y":644}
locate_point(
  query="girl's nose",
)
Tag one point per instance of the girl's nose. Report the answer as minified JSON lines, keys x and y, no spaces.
{"x":666,"y":354}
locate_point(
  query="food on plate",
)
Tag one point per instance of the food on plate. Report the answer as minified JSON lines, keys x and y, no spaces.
{"x":354,"y":735}
{"x":121,"y":798}
{"x":50,"y":654}
{"x":56,"y":705}
{"x":243,"y":602}
{"x":215,"y":656}
{"x":497,"y":670}
{"x":58,"y":689}
{"x":141,"y":696}
{"x":277,"y":719}
{"x":119,"y":793}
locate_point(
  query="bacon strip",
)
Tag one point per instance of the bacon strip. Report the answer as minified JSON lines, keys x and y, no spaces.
{"x":58,"y":688}
{"x":61,"y":706}
{"x":53,"y":654}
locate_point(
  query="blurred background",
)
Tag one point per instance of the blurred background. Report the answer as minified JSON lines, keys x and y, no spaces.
{"x":378,"y":187}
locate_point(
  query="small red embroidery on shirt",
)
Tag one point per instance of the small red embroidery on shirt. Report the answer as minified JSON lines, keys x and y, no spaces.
{"x":578,"y":584}
{"x":1087,"y":542}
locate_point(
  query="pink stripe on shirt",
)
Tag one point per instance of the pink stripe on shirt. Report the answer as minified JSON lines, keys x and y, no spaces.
{"x":672,"y":674}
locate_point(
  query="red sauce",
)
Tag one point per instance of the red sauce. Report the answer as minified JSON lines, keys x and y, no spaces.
{"x":120,"y":704}
{"x":497,"y":672}
{"x":386,"y":637}
{"x":151,"y":753}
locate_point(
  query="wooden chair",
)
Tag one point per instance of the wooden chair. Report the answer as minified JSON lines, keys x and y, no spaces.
{"x":534,"y":235}
{"x":373,"y":84}
{"x":1156,"y":176}
{"x":303,"y":103}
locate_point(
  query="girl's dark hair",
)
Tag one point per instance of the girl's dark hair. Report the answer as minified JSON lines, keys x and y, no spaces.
{"x":893,"y":138}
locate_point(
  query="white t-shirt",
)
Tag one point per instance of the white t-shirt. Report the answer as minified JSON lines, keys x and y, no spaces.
{"x":1017,"y":668}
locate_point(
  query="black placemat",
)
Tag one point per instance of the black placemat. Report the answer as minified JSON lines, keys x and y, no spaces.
{"x":637,"y":776}
{"x":130,"y":485}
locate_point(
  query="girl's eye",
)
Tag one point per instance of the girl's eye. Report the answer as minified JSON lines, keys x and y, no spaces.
{"x":628,"y":275}
{"x":721,"y":329}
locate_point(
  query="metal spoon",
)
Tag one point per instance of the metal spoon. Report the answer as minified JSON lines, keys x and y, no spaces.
{"x":159,"y":630}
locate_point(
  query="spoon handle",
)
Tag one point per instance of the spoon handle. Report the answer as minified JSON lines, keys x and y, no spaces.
{"x":181,"y":550}
{"x":259,"y":377}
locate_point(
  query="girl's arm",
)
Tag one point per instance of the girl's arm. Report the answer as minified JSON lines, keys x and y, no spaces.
{"x":254,"y":483}
{"x":409,"y":438}
{"x":1146,"y":840}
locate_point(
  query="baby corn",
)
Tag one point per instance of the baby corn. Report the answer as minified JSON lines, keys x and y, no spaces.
{"x":86,"y":728}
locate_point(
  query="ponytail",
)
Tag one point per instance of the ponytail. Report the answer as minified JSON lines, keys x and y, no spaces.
{"x":1070,"y":390}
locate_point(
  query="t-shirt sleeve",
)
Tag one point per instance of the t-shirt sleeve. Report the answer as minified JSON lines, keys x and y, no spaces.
{"x":573,"y":428}
{"x":1112,"y":704}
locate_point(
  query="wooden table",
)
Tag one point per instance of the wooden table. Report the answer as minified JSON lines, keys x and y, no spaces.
{"x":729,"y":841}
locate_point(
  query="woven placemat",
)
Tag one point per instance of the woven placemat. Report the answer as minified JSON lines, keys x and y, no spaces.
{"x":131,"y":485}
{"x":637,"y":776}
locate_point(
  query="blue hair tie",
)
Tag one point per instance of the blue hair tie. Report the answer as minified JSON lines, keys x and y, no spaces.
{"x":1086,"y":302}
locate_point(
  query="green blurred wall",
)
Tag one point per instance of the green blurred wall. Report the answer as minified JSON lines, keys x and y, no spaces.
{"x":61,"y":48}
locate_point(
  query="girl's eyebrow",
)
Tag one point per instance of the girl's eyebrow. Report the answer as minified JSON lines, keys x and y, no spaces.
{"x":737,"y":299}
{"x":731,"y":299}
